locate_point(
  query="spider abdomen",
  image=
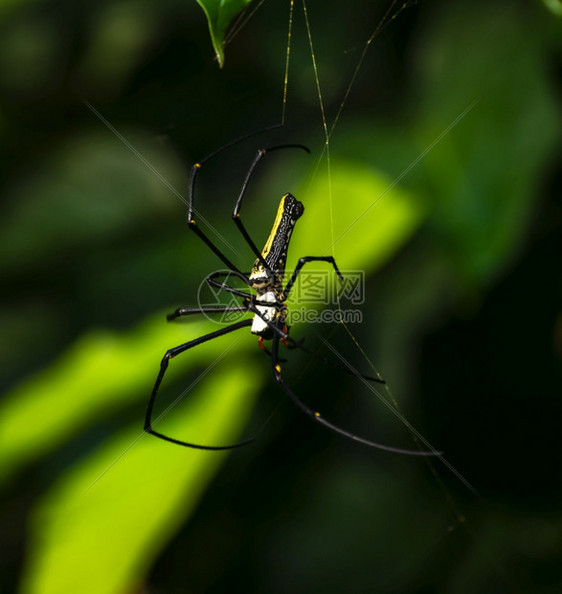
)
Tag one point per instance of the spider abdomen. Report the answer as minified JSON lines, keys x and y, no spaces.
{"x":271,"y":313}
{"x":274,"y":252}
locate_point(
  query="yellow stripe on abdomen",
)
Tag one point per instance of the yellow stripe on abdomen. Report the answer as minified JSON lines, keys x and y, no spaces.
{"x":276,"y":223}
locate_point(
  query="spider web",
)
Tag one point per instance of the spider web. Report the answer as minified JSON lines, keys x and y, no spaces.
{"x":329,"y":125}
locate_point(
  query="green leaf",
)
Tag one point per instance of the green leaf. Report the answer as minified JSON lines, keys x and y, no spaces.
{"x":220,"y":14}
{"x":127,"y":498}
{"x":555,"y":6}
{"x":371,"y":218}
{"x":99,"y":375}
{"x":100,"y":528}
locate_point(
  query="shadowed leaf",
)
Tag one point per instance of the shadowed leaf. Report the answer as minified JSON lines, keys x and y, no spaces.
{"x":220,"y":14}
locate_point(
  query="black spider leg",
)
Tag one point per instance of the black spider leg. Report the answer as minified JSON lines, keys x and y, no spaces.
{"x":304,"y":260}
{"x":314,"y":415}
{"x":187,"y":311}
{"x":291,"y":343}
{"x":269,"y":354}
{"x":210,"y":280}
{"x":164,"y":366}
{"x":236,"y":213}
{"x":251,"y":301}
{"x":249,"y":298}
{"x":192,"y":223}
{"x":333,"y":364}
{"x":318,"y":418}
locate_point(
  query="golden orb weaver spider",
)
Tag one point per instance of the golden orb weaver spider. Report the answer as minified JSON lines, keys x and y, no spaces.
{"x":268,"y":306}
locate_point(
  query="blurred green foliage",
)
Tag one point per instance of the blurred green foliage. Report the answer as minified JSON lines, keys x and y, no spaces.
{"x":108,"y":370}
{"x":97,"y":368}
{"x":456,"y":221}
{"x":134,"y":485}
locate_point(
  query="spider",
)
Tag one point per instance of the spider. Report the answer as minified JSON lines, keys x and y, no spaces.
{"x":267,"y":280}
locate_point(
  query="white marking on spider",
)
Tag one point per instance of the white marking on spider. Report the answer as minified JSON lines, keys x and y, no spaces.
{"x":259,"y":325}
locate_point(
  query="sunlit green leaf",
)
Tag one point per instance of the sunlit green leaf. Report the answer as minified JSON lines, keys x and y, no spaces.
{"x":101,"y":526}
{"x":97,"y":376}
{"x":555,"y":6}
{"x":139,"y":503}
{"x":220,"y":14}
{"x":365,"y":222}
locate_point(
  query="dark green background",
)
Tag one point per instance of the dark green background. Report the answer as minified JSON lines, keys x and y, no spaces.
{"x":464,"y":321}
